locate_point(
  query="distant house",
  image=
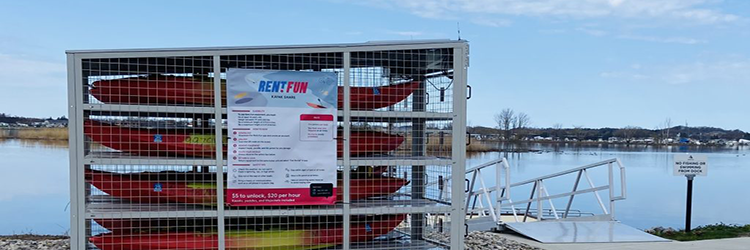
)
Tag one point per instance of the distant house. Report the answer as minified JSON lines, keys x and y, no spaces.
{"x":743,"y":142}
{"x":58,"y":123}
{"x":613,"y":139}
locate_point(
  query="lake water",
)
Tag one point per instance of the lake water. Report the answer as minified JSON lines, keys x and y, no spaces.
{"x":655,"y":197}
{"x":34,"y":190}
{"x":34,"y":187}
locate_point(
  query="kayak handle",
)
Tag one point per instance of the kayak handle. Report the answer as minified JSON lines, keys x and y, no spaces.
{"x":427,"y":98}
{"x":466,"y":190}
{"x":468,"y":142}
{"x":469,"y":87}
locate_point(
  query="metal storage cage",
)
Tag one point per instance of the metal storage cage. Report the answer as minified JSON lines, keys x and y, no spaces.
{"x":148,"y":148}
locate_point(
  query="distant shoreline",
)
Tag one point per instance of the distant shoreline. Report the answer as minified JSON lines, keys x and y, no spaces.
{"x":588,"y":143}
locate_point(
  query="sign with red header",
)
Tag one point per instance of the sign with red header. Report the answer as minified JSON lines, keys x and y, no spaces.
{"x":282,"y":147}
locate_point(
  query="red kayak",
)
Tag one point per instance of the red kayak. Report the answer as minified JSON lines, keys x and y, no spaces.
{"x":151,"y":225}
{"x":200,"y":188}
{"x":309,"y":237}
{"x":200,"y":143}
{"x":180,"y":90}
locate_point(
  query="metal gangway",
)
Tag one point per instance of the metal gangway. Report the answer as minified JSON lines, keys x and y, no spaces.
{"x":551,"y":224}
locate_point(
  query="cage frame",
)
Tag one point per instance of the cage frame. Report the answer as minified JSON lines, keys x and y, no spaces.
{"x":77,"y":106}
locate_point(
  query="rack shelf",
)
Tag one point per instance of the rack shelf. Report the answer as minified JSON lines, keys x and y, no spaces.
{"x":103,"y":206}
{"x":206,"y":112}
{"x":120,"y":158}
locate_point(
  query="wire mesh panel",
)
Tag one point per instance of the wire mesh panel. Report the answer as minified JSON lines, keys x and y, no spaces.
{"x":412,"y":122}
{"x":149,"y":149}
{"x":148,"y":170}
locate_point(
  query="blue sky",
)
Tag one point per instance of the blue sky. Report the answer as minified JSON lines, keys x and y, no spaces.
{"x":594,"y":63}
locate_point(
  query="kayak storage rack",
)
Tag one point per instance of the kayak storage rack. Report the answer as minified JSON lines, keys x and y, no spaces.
{"x":149,"y":140}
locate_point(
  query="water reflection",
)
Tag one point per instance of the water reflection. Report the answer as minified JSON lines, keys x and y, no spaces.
{"x":38,"y":143}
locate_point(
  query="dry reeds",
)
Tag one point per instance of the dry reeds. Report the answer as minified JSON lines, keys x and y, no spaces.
{"x":434,"y":144}
{"x":36,"y":133}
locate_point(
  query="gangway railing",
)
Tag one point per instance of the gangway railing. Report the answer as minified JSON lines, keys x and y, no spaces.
{"x":479,"y":201}
{"x":484,"y":193}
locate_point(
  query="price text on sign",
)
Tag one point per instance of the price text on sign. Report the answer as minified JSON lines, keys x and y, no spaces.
{"x":691,"y":164}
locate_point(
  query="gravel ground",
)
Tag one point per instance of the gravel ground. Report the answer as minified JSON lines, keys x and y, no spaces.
{"x":486,"y":241}
{"x":475,"y":241}
{"x":34,"y":242}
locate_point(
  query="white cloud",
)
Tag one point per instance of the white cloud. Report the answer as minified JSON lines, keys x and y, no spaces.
{"x":681,"y":40}
{"x":623,"y":75}
{"x":730,"y":71}
{"x":592,"y":32}
{"x":696,"y":11}
{"x":656,"y":39}
{"x":737,"y":72}
{"x":491,"y":22}
{"x":552,"y":31}
{"x":407,"y":33}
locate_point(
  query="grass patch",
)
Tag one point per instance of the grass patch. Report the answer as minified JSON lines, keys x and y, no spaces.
{"x":708,"y":232}
{"x":35,"y":133}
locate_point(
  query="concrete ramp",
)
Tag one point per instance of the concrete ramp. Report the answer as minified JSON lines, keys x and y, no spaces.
{"x":581,"y":232}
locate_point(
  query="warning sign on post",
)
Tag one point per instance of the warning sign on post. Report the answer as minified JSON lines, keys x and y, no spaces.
{"x":691,"y":164}
{"x":282,"y":127}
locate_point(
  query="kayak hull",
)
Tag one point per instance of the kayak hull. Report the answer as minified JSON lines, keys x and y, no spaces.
{"x":175,"y":90}
{"x":312,"y":237}
{"x":155,"y":142}
{"x":200,"y":188}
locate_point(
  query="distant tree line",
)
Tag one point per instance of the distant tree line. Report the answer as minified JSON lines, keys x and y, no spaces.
{"x":516,"y":126}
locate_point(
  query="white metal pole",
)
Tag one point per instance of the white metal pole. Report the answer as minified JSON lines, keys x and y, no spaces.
{"x":611,"y":191}
{"x":623,"y":183}
{"x":73,"y":139}
{"x":486,"y":194}
{"x":539,"y":200}
{"x":346,"y":151}
{"x":219,"y":141}
{"x":80,"y":153}
{"x":551,"y":205}
{"x":498,"y":194}
{"x":458,"y":152}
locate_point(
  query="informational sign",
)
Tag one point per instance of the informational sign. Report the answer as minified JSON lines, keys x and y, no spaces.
{"x":691,"y":164}
{"x":282,"y":146}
